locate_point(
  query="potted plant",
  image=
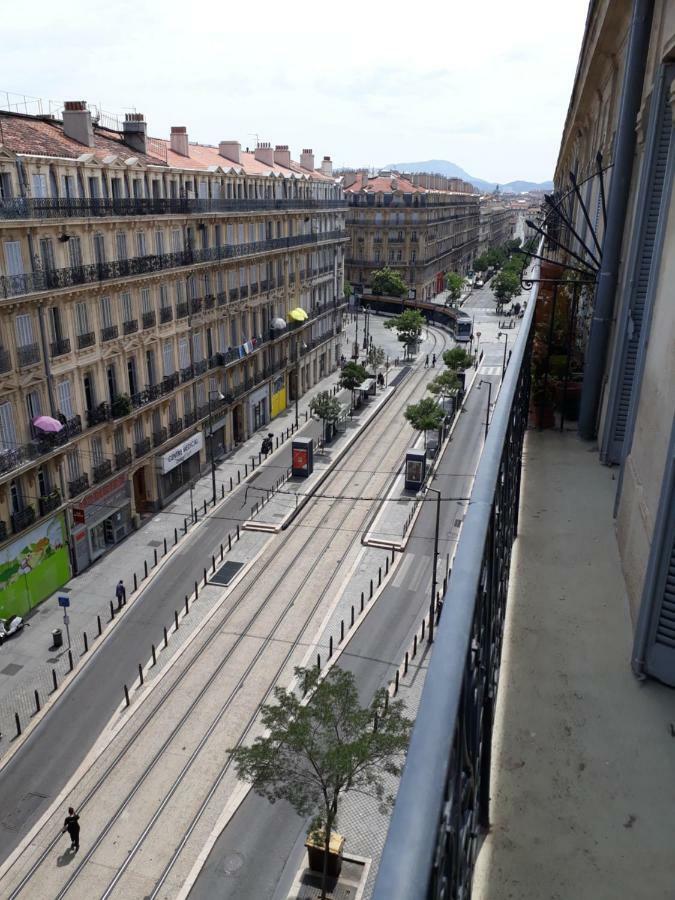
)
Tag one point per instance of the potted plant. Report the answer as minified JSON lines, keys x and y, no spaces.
{"x":121,"y":406}
{"x":542,"y":403}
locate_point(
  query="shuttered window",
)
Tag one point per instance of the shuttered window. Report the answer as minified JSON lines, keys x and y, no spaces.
{"x":82,"y":318}
{"x":106,"y":313}
{"x":183,"y":353}
{"x":127,"y":307}
{"x":13,"y":258}
{"x":146,"y":302}
{"x":64,"y":399}
{"x":73,"y":460}
{"x":24,"y":331}
{"x":7,"y":429}
{"x":197,"y":347}
{"x":39,"y":185}
{"x":167,"y":358}
{"x":659,"y":602}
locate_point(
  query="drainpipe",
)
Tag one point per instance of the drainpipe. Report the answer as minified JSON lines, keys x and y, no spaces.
{"x":603,"y":311}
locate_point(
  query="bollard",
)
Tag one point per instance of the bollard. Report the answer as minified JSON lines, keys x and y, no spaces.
{"x":371,"y":589}
{"x":112,"y":611}
{"x":330,"y":646}
{"x":352,"y":620}
{"x":213,"y":563}
{"x":187,"y":605}
{"x":386,"y":566}
{"x":165,"y":550}
{"x":54,"y":681}
{"x":238,"y":477}
{"x":405,"y":664}
{"x":154,"y":655}
{"x":196,"y":591}
{"x":396,"y":684}
{"x":362,"y":601}
{"x":175,"y":618}
{"x":135,"y":582}
{"x":423,"y":624}
{"x":140,"y":674}
{"x":305,"y":415}
{"x":18,"y":723}
{"x":145,"y":567}
{"x":37,"y":701}
{"x":185,"y":526}
{"x":222,"y":490}
{"x":166,"y":637}
{"x":237,"y":532}
{"x":195,"y":516}
{"x":392,"y":554}
{"x":100,"y":627}
{"x":229,"y":542}
{"x":342,"y":630}
{"x":231,"y":485}
{"x":175,"y":536}
{"x":204,"y":577}
{"x":154,"y":552}
{"x":318,"y":662}
{"x":70,"y":660}
{"x":415,"y":646}
{"x":126,"y":695}
{"x":245,"y":469}
{"x":204,"y":507}
{"x":277,"y":442}
{"x":86,"y":642}
{"x":379,"y":576}
{"x":259,"y":458}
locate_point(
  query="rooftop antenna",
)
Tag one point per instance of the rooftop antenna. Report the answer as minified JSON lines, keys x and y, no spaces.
{"x":256,"y":136}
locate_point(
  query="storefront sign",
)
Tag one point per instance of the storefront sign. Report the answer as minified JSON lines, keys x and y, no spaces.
{"x":102,"y":502}
{"x":78,"y":516}
{"x":181,"y":452}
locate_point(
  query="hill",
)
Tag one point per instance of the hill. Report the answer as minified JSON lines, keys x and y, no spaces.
{"x":452,"y":170}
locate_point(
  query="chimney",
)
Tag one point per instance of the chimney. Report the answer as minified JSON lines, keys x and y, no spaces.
{"x":136,"y":132}
{"x":264,"y":153}
{"x":394,"y":183}
{"x":307,"y":159}
{"x":282,"y":155}
{"x":230,"y":150}
{"x":77,"y":122}
{"x":179,"y":140}
{"x":327,"y":166}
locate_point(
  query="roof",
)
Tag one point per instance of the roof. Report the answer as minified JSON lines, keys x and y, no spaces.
{"x":202,"y":156}
{"x":384,"y":184}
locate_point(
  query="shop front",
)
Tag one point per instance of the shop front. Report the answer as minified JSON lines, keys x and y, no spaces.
{"x":258,"y":409}
{"x":100,"y":520}
{"x":177,"y":468}
{"x":218,"y":436}
{"x":278,"y":396}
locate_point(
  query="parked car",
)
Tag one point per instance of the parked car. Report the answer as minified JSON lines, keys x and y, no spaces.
{"x":10,"y":626}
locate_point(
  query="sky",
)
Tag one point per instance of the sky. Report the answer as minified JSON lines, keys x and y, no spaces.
{"x":484,"y":84}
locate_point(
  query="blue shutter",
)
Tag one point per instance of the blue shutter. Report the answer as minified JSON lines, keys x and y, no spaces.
{"x":660,"y":655}
{"x":639,"y":284}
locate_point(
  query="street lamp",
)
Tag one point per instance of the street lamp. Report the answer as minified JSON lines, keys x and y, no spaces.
{"x":503,"y":334}
{"x":366,"y":326}
{"x":213,"y":460}
{"x":432,"y":604}
{"x":487,"y":414}
{"x":297,"y":376}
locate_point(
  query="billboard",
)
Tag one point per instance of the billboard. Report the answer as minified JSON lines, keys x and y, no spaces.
{"x":33,"y":566}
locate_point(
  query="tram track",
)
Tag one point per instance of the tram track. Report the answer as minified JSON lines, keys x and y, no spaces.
{"x":363,"y":449}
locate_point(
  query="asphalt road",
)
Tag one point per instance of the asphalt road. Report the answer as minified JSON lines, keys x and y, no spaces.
{"x":274,"y":834}
{"x":35,"y":775}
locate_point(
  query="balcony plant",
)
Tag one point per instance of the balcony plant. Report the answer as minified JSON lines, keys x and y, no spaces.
{"x":121,"y":406}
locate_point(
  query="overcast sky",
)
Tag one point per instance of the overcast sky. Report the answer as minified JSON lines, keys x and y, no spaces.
{"x":484,"y":84}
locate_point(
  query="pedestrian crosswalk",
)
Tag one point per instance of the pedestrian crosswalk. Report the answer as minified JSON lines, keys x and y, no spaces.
{"x":490,"y":370}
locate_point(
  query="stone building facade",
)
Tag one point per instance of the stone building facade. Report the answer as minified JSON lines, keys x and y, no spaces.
{"x":147,"y":289}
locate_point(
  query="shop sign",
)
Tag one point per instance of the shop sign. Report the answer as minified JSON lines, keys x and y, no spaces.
{"x":104,"y":500}
{"x":181,"y":452}
{"x":78,"y":516}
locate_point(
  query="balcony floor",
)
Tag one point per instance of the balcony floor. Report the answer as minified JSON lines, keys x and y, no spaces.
{"x":583,"y":766}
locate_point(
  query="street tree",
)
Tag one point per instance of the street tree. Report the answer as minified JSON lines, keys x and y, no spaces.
{"x":454,"y":285}
{"x":347,"y":290}
{"x":408,"y":325}
{"x":457,"y":359}
{"x":425,"y":416}
{"x":313,"y":753}
{"x":376,"y":358}
{"x":351,"y":376}
{"x":444,"y":386}
{"x":505,"y":287}
{"x":325,"y":407}
{"x":387,"y":282}
{"x":481,"y":263}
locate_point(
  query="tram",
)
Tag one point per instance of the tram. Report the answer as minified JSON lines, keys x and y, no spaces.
{"x":458,"y":323}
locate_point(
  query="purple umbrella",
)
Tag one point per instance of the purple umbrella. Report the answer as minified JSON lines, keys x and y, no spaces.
{"x":46,"y":423}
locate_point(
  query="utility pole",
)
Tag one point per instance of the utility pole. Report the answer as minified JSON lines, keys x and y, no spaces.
{"x":503,"y":334}
{"x":432,"y":604}
{"x":487,"y":414}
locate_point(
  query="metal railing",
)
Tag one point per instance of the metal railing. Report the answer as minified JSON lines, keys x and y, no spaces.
{"x":102,"y":470}
{"x":77,"y":485}
{"x":86,"y":340}
{"x":149,"y":319}
{"x":5,"y":361}
{"x":70,"y":276}
{"x":28,"y":355}
{"x":75,"y":208}
{"x":59,"y":347}
{"x":442,"y":803}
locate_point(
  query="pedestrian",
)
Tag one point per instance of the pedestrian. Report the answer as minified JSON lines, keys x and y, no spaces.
{"x":121,"y":593}
{"x":433,"y":362}
{"x":426,"y":362}
{"x":72,"y":826}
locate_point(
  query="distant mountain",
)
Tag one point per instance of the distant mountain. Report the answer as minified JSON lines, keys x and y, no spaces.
{"x":451,"y":170}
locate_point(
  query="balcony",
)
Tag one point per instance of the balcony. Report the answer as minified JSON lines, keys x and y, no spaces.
{"x":49,"y":503}
{"x":78,"y":485}
{"x":122,"y":458}
{"x":243,"y":291}
{"x":5,"y":362}
{"x":175,"y":427}
{"x":209,"y":301}
{"x":159,"y":437}
{"x":200,"y":367}
{"x":109,"y":333}
{"x":100,"y":413}
{"x":221,"y":298}
{"x":165,"y":314}
{"x":92,"y":273}
{"x":234,"y":294}
{"x":142,"y":447}
{"x":170,"y":383}
{"x":24,"y":518}
{"x":59,"y":347}
{"x":189,"y":418}
{"x":130,"y":326}
{"x":186,"y":374}
{"x":28,"y":355}
{"x":76,"y":208}
{"x":195,"y":305}
{"x":182,"y":310}
{"x":86,"y":340}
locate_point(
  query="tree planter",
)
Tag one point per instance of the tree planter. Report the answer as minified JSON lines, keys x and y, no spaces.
{"x":315,"y":853}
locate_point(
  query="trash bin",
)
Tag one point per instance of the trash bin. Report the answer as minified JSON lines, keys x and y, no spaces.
{"x":57,"y":638}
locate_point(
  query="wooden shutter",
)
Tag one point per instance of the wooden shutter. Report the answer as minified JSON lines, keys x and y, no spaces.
{"x":640,"y":283}
{"x":660,"y":655}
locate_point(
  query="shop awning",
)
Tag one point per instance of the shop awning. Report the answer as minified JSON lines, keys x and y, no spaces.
{"x":298,"y":314}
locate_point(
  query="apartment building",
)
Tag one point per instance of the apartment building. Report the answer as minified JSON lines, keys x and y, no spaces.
{"x":496,"y":223}
{"x":422,"y":226}
{"x":148,"y":287}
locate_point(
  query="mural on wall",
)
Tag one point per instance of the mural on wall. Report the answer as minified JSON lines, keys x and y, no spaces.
{"x":33,"y":567}
{"x":278,"y":396}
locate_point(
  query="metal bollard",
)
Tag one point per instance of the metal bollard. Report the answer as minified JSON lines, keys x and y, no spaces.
{"x":204,"y":577}
{"x":231,"y":485}
{"x":371,"y":588}
{"x":140,"y":673}
{"x":145,"y":567}
{"x":112,"y":611}
{"x":70,"y":660}
{"x":204,"y":507}
{"x":165,"y":550}
{"x":392,"y":554}
{"x":175,"y":618}
{"x":100,"y":627}
{"x":415,"y":646}
{"x":135,"y":582}
{"x":196,"y":591}
{"x":318,"y":662}
{"x":154,"y":552}
{"x":423,"y":624}
{"x":185,"y":526}
{"x":213,"y":563}
{"x":396,"y":684}
{"x":126,"y":695}
{"x":195,"y":516}
{"x":221,"y":552}
{"x":386,"y":566}
{"x":54,"y":681}
{"x":222,"y":491}
{"x":405,"y":664}
{"x":154,"y":655}
{"x":18,"y":724}
{"x":259,"y":458}
{"x":37,"y":701}
{"x":245,"y":469}
{"x":352,"y":619}
{"x":238,"y":477}
{"x":175,"y":536}
{"x":237,"y":532}
{"x":362,"y":599}
{"x":330,"y":646}
{"x":166,"y":637}
{"x":342,"y":630}
{"x":379,"y":576}
{"x":229,"y":542}
{"x":187,"y":605}
{"x":86,"y":642}
{"x":277,"y":442}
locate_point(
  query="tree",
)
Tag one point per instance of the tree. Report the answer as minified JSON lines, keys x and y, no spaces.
{"x":325,"y":407}
{"x":388,"y":282}
{"x":506,"y":286}
{"x":351,"y":376}
{"x":481,"y":263}
{"x":425,"y":416}
{"x":376,"y":358}
{"x":457,"y":359}
{"x":347,"y":290}
{"x":409,"y":325}
{"x":313,"y":753}
{"x":444,"y":386}
{"x":454,"y":284}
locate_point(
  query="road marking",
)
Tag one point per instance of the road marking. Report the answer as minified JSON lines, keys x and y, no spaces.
{"x":491,"y":370}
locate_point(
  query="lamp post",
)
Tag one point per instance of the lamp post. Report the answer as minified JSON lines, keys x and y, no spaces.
{"x":503,"y":334}
{"x":487,"y":414}
{"x":366,"y":326}
{"x":432,"y":604}
{"x":211,"y":454}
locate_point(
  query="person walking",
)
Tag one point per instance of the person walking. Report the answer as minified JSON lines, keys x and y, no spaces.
{"x":426,"y":362}
{"x":72,"y":826}
{"x":121,"y":593}
{"x":433,"y":361}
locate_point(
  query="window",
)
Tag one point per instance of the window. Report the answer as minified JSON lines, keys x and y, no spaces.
{"x":7,"y":430}
{"x":89,"y":392}
{"x":118,"y":439}
{"x":183,"y":353}
{"x":55,"y":323}
{"x":106,"y":313}
{"x":164,"y":296}
{"x":47,"y":254}
{"x":117,"y":188}
{"x":137,"y":186}
{"x":39,"y":186}
{"x":167,"y":357}
{"x":173,"y":410}
{"x":141,"y":244}
{"x":139,"y":431}
{"x":187,"y":402}
{"x":132,"y":376}
{"x":146,"y":301}
{"x":69,"y":186}
{"x":112,"y":382}
{"x":121,"y":244}
{"x":180,"y":292}
{"x":127,"y":307}
{"x":230,"y":234}
{"x":151,"y":367}
{"x":5,"y":186}
{"x":203,"y":190}
{"x":73,"y":461}
{"x":176,"y":240}
{"x":201,"y":394}
{"x":64,"y":399}
{"x":24,"y":331}
{"x":159,"y":243}
{"x":13,"y":258}
{"x":75,"y":252}
{"x":81,"y":318}
{"x":99,"y":249}
{"x":197,"y":347}
{"x":97,"y":451}
{"x":94,"y":187}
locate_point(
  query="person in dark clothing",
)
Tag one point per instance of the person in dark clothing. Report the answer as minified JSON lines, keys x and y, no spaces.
{"x":426,"y":362}
{"x":121,"y":593}
{"x":433,"y":361}
{"x":72,"y":826}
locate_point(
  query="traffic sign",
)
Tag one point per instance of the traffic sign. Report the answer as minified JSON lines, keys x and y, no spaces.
{"x":64,"y":601}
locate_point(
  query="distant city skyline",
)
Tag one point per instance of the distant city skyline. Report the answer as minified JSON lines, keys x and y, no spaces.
{"x":363,"y":86}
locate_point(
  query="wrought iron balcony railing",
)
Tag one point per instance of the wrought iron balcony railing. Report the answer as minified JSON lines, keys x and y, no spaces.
{"x":55,"y":279}
{"x":59,"y":347}
{"x":142,"y":447}
{"x":98,"y":414}
{"x":123,"y":458}
{"x":74,"y":208}
{"x":49,"y":503}
{"x":175,"y":427}
{"x":149,"y":319}
{"x":23,"y":519}
{"x":86,"y":340}
{"x":109,"y":333}
{"x":159,"y":436}
{"x":182,"y":310}
{"x":28,"y":355}
{"x":444,"y":792}
{"x":77,"y":485}
{"x":165,"y":314}
{"x":130,"y":326}
{"x":102,"y":470}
